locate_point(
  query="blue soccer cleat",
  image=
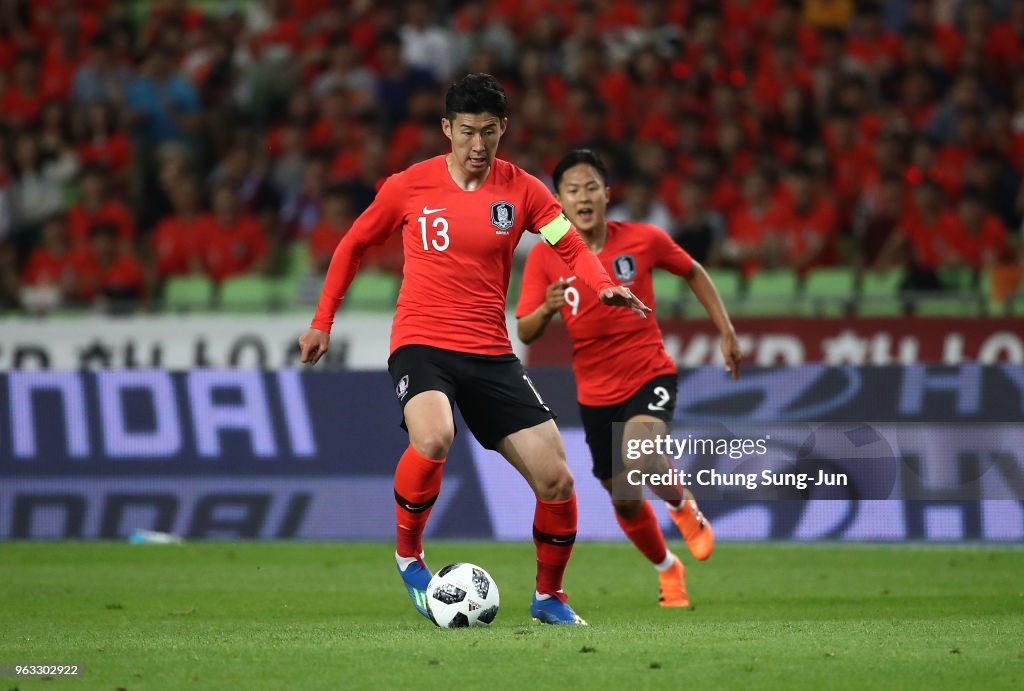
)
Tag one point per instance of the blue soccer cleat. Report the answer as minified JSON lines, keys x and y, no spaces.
{"x":551,"y":610}
{"x":416,"y":576}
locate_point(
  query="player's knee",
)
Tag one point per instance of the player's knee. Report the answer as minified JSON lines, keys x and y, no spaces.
{"x":556,"y":486}
{"x":433,"y":444}
{"x":627,"y":508}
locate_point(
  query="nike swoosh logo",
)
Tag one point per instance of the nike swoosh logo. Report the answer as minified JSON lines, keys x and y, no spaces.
{"x":560,"y":540}
{"x":427,"y":212}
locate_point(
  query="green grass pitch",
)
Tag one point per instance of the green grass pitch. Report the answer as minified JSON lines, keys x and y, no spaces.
{"x":335,"y":616}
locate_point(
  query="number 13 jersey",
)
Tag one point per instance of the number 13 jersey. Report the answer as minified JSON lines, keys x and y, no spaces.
{"x":458,"y":252}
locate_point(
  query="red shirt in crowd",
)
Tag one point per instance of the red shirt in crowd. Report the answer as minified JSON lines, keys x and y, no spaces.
{"x":46,"y":268}
{"x":989,"y":243}
{"x":232,"y":249}
{"x":112,"y":212}
{"x":124,"y":276}
{"x":177,"y":245}
{"x":929,"y":240}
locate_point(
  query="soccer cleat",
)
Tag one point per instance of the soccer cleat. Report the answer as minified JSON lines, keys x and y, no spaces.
{"x":696,"y":530}
{"x":673,"y":585}
{"x":416,"y":576}
{"x":551,"y":610}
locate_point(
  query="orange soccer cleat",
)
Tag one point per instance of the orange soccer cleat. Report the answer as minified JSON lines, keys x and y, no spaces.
{"x":673,"y":585}
{"x":695,"y":529}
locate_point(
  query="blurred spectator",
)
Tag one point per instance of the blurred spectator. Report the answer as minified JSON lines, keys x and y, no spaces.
{"x":95,"y":208}
{"x":700,"y":229}
{"x":640,"y":205}
{"x":876,"y":221}
{"x":479,"y":32}
{"x":338,"y":215}
{"x":232,"y":242}
{"x":978,"y":238}
{"x":37,"y":190}
{"x":300,"y":208}
{"x":106,"y":273}
{"x":923,"y":240}
{"x":245,"y":169}
{"x":396,"y":80}
{"x":100,"y":79}
{"x":753,"y":237}
{"x":165,"y":106}
{"x":177,"y":247}
{"x":103,"y":143}
{"x":807,"y":221}
{"x":425,"y":45}
{"x":51,"y":265}
{"x":24,"y":96}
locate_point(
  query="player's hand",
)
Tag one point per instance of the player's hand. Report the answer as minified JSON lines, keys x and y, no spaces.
{"x":313,"y":344}
{"x":621,"y":296}
{"x":732,"y":354}
{"x":554,"y":298}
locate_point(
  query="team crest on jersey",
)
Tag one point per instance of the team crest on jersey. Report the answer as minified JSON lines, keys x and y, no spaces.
{"x":403,"y":387}
{"x":503,"y":215}
{"x":624,"y":266}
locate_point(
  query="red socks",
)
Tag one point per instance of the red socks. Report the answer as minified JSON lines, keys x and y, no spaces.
{"x":645,"y":533}
{"x":554,"y":532}
{"x":417,"y":484}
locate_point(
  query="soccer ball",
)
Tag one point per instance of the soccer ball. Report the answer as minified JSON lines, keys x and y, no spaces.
{"x":462,"y":595}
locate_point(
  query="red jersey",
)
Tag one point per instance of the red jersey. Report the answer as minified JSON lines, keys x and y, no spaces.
{"x":46,"y":268}
{"x":930,"y":241}
{"x":458,"y":253}
{"x":232,"y":249}
{"x":81,"y":221}
{"x":612,"y":357}
{"x":989,"y":243}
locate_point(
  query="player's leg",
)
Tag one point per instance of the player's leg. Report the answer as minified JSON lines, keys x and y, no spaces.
{"x":422,"y":387}
{"x":506,"y":413}
{"x":682,"y":507}
{"x":633,"y":513}
{"x":639,"y":523}
{"x":537,"y":453}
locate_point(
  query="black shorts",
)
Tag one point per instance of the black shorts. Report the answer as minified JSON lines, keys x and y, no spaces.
{"x":493,"y":392}
{"x":656,"y":398}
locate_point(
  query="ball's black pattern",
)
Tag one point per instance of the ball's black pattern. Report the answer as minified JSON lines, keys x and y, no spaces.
{"x":449,"y":594}
{"x":481,"y":582}
{"x":487,"y":616}
{"x":459,"y":621}
{"x":448,"y":568}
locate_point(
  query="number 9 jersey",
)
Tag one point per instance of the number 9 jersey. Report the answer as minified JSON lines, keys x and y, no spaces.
{"x":612,"y":358}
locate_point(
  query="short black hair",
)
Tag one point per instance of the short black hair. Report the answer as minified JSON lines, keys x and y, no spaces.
{"x":575,"y":158}
{"x":476,"y":93}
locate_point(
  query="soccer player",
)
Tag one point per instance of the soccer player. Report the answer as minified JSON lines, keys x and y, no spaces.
{"x":461,"y":215}
{"x":623,"y":373}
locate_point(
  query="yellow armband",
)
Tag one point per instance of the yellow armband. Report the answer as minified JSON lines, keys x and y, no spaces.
{"x":556,"y":229}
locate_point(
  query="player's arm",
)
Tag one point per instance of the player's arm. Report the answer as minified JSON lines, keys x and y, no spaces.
{"x":560,"y":234}
{"x":704,"y":288}
{"x":372,"y":227}
{"x":539,"y":298}
{"x":673,"y":258}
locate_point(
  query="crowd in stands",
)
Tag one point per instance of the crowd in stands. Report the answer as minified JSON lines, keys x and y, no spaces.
{"x":145,"y":140}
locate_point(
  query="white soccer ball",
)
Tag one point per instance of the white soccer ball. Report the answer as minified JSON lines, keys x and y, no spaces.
{"x":462,"y":595}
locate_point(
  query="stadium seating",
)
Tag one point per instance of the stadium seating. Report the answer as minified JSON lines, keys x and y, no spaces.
{"x":829,"y":291}
{"x":372,"y":291}
{"x":251,"y":293}
{"x":188,"y":293}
